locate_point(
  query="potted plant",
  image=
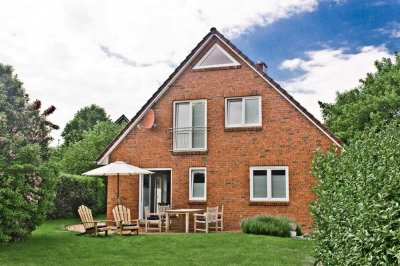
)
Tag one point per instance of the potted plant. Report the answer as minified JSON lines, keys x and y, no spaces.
{"x":293,"y":227}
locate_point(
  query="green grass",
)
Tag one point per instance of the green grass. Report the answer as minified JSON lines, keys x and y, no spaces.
{"x":51,"y":244}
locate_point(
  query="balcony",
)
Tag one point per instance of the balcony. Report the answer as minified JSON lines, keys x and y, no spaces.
{"x":189,"y":139}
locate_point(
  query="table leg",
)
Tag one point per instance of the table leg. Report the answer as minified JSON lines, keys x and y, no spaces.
{"x":187,"y":223}
{"x":166,"y":222}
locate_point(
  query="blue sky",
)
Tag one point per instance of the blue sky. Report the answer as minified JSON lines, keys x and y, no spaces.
{"x":116,"y":53}
{"x":348,"y":24}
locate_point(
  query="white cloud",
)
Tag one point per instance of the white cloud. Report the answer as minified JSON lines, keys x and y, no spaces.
{"x":116,"y":53}
{"x":392,"y":29}
{"x":327,"y":71}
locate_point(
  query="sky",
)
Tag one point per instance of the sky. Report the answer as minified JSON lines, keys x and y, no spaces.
{"x":116,"y":54}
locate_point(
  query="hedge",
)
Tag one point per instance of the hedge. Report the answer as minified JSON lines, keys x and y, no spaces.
{"x":268,"y":225}
{"x":74,"y":190}
{"x":357,"y":214}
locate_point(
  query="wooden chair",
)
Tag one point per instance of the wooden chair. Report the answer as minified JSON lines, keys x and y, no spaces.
{"x":220,"y":223}
{"x":122,"y":219}
{"x":162,"y":214}
{"x":207,"y":218}
{"x":91,"y":226}
{"x":152,"y":219}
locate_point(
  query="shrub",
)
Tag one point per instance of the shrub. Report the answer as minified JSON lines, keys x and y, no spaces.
{"x":26,"y":178}
{"x":357,"y":214}
{"x":268,"y":225}
{"x":74,"y":190}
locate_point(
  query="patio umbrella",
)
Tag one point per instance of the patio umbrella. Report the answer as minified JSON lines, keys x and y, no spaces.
{"x":118,"y":168}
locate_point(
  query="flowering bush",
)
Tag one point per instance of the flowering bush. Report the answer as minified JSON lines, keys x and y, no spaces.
{"x":26,"y":179}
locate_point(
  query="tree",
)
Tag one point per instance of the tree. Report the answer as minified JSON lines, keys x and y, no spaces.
{"x":79,"y":157}
{"x":374,"y":102}
{"x":26,"y":179}
{"x":84,"y":120}
{"x":357,"y":211}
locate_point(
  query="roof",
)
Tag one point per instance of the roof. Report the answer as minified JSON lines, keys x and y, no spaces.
{"x":182,"y":66}
{"x":122,"y":119}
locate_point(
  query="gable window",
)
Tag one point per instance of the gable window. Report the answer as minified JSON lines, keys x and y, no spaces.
{"x":243,"y":111}
{"x":269,"y":183}
{"x":197,"y":183}
{"x":216,"y":57}
{"x":190,"y":125}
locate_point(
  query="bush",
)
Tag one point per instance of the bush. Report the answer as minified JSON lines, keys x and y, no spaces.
{"x":357,"y":214}
{"x":26,"y":178}
{"x":268,"y":225}
{"x":74,"y":190}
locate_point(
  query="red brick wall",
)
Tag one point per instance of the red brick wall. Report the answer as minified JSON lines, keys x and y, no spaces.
{"x":286,"y":138}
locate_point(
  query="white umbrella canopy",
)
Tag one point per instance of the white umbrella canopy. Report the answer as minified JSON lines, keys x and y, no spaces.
{"x":118,"y":168}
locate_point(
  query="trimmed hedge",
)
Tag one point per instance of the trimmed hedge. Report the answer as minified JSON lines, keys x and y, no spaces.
{"x":357,"y":213}
{"x":75,"y":190}
{"x":268,"y":225}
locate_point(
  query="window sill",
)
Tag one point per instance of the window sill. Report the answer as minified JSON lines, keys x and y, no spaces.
{"x":235,"y":129}
{"x":269,"y":203}
{"x":197,"y":202}
{"x":189,"y":152}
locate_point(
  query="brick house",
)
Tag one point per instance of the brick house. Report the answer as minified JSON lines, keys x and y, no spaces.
{"x":224,"y":133}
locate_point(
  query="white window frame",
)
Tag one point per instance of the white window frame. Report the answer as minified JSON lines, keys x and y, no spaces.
{"x":243,"y":124}
{"x":198,"y":65}
{"x":269,"y":182}
{"x":190,"y":117}
{"x":194,"y":169}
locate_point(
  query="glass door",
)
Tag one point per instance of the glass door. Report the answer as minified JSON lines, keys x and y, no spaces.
{"x":156,"y":189}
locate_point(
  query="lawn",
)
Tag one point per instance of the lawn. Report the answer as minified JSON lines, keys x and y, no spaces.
{"x":51,"y":244}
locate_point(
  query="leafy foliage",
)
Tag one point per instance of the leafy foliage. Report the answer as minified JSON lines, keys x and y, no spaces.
{"x":79,"y":157}
{"x":84,"y":120}
{"x":75,"y":190}
{"x":26,"y":180}
{"x":357,"y":214}
{"x":374,"y":102}
{"x":268,"y":225}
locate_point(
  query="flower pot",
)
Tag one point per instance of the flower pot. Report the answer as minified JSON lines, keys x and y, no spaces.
{"x":293,"y":233}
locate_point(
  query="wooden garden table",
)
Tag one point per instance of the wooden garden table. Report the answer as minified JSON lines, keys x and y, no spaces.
{"x":187,"y":212}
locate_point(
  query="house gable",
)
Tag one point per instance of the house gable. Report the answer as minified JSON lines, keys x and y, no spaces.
{"x":196,"y":58}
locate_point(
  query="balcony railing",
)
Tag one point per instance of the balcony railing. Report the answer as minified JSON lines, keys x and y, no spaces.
{"x":189,"y":138}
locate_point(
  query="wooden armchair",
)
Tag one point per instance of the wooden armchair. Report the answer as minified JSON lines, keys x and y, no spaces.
{"x":123,"y":221}
{"x":91,"y":226}
{"x":207,"y":218}
{"x":152,"y":219}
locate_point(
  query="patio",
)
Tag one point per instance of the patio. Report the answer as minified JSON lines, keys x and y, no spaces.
{"x":209,"y":219}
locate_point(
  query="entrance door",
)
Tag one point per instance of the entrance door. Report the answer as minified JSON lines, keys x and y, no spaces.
{"x":156,"y":189}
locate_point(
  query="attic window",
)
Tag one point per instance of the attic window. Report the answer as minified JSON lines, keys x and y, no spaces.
{"x":216,"y":57}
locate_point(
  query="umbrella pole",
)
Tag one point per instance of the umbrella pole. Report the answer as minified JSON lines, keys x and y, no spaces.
{"x":118,"y":189}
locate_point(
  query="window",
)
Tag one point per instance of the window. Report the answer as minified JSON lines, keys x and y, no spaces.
{"x":216,"y":57}
{"x":269,"y":183}
{"x":198,"y":183}
{"x":243,"y":111}
{"x":190,"y":130}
